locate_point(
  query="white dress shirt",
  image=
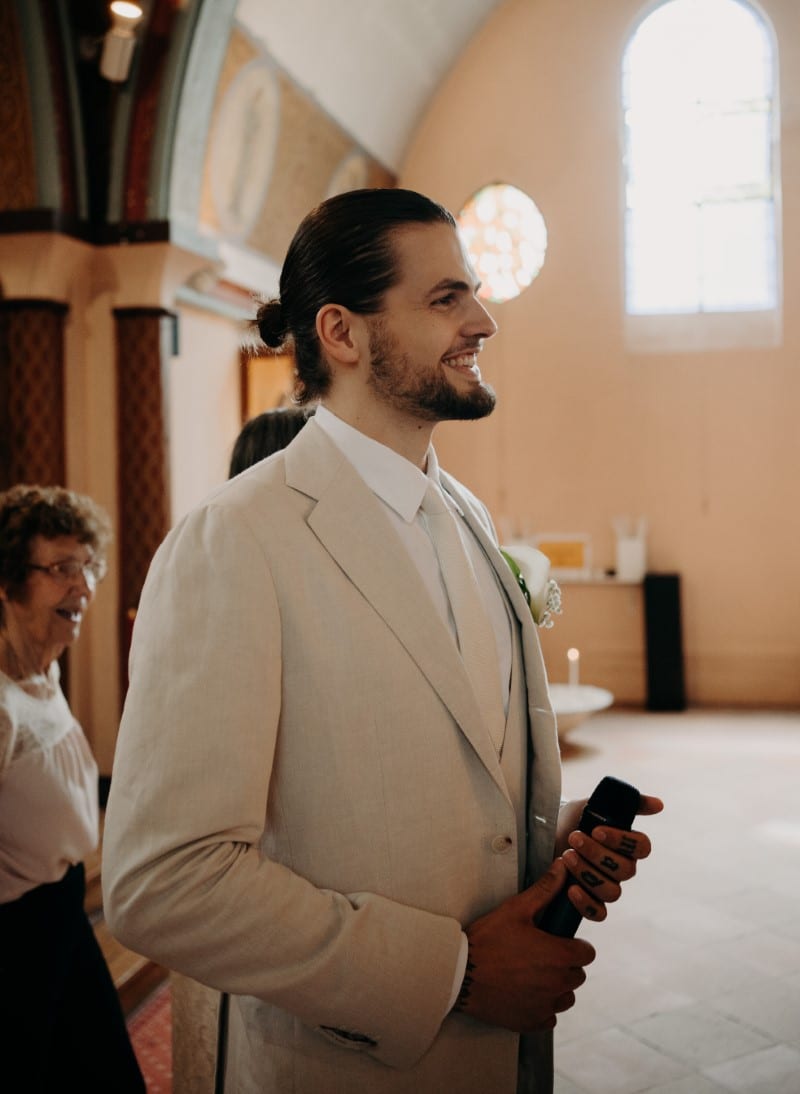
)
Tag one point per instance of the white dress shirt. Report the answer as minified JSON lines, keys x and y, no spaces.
{"x":400,"y":485}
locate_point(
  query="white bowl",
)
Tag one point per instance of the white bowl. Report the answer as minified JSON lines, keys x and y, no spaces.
{"x":574,"y":703}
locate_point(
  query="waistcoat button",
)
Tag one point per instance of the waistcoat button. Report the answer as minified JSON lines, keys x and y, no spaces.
{"x":502,"y":844}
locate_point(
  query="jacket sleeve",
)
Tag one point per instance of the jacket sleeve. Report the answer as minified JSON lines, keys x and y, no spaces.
{"x":184,"y":879}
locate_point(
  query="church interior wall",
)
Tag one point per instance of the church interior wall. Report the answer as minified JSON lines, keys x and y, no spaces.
{"x":204,"y":406}
{"x":701,"y":444}
{"x":704,"y":444}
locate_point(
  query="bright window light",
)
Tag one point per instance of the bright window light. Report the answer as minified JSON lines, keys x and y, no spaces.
{"x":506,"y":240}
{"x":700,"y":118}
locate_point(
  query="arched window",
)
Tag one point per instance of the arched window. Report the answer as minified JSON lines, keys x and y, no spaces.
{"x":701,"y":178}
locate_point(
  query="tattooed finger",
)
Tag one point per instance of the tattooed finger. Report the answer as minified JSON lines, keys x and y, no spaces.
{"x":590,"y":879}
{"x":627,"y":846}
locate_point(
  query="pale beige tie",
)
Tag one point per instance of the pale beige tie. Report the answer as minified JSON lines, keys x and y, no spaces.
{"x":476,"y":640}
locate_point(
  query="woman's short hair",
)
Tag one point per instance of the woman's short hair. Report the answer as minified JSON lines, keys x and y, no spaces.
{"x":266,"y":433}
{"x":49,"y":511}
{"x":341,"y":254}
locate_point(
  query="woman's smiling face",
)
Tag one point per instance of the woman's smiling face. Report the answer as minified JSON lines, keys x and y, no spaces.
{"x":47,"y":616}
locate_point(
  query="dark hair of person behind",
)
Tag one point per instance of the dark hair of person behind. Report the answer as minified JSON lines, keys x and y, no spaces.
{"x":48,"y":511}
{"x":341,"y":254}
{"x":265,"y":434}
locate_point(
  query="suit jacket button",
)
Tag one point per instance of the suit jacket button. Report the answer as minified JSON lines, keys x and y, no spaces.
{"x":502,"y":844}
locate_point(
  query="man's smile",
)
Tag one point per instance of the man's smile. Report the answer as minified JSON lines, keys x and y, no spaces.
{"x":465,"y":363}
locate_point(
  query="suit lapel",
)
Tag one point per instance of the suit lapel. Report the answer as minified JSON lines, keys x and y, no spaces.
{"x":544,"y":738}
{"x":353,"y":527}
{"x":506,"y":578}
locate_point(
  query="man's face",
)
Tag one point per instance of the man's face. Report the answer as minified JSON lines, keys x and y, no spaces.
{"x":425,"y":342}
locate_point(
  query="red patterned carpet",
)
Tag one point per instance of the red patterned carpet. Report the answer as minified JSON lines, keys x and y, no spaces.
{"x":150,"y":1029}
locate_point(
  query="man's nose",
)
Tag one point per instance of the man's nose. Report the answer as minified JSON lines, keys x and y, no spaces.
{"x":480,"y":322}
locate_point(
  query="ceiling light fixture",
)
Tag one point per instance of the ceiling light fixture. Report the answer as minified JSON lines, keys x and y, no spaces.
{"x":120,"y":41}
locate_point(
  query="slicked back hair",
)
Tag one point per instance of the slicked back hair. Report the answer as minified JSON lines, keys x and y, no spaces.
{"x":342,"y":254}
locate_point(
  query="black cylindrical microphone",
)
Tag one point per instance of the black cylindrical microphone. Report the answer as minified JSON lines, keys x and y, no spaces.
{"x":613,"y":803}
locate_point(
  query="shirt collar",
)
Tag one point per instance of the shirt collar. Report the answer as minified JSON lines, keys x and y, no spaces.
{"x":390,"y":476}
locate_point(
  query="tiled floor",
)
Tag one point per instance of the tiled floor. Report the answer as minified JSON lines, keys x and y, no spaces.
{"x":696,"y":985}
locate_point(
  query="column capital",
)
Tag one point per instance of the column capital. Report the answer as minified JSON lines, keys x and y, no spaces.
{"x":45,"y":266}
{"x":42,"y":265}
{"x":148,"y":274}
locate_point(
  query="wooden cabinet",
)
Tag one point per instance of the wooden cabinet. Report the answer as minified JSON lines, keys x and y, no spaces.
{"x":629,"y":638}
{"x":603,"y":618}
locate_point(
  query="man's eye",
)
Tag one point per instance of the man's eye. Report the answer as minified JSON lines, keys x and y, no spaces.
{"x":446,"y":300}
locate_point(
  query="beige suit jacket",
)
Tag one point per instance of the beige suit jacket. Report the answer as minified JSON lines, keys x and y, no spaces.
{"x":305,"y":804}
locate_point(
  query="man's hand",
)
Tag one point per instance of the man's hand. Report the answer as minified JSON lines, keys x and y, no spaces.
{"x":517,"y":976}
{"x":601,"y":862}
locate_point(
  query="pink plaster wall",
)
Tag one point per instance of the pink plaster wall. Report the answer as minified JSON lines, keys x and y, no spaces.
{"x":705,"y":445}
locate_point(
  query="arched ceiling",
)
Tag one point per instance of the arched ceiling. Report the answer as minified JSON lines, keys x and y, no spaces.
{"x":372,"y":64}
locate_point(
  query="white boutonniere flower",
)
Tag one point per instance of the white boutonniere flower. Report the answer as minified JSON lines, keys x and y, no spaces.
{"x":531,"y":568}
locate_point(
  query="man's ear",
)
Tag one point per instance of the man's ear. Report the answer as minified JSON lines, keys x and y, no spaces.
{"x":338,"y":330}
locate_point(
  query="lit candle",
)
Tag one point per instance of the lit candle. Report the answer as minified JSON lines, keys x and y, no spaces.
{"x":574,"y":661}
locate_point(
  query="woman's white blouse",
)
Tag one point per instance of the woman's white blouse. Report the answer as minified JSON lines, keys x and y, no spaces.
{"x":48,"y":785}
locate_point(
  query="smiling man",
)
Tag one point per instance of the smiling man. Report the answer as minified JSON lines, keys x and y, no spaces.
{"x":336,"y":793}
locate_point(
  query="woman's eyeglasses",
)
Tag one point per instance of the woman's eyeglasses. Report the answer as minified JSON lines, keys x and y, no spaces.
{"x":70,"y":569}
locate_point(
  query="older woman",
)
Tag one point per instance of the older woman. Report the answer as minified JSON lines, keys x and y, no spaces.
{"x":61,"y":1022}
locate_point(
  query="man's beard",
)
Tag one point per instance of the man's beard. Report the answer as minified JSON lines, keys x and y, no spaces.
{"x":429,"y":396}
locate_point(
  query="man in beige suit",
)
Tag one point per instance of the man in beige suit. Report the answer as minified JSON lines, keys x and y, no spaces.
{"x":308,"y":809}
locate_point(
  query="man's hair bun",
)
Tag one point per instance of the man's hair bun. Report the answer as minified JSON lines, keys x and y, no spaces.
{"x":270,"y":323}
